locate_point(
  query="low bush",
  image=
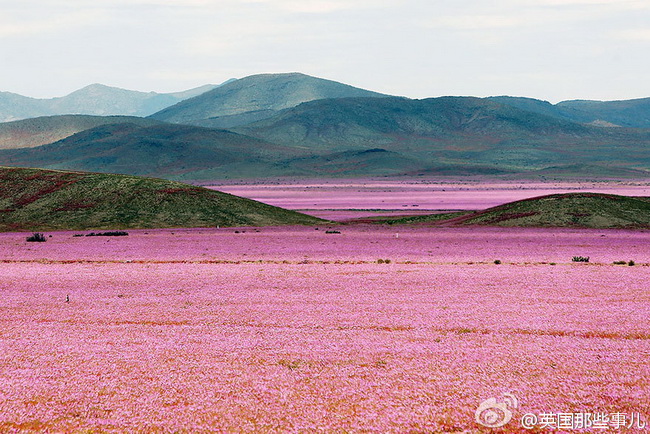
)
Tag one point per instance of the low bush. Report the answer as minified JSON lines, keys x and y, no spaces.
{"x":580,"y":259}
{"x":108,"y":234}
{"x":37,"y":237}
{"x":619,"y":262}
{"x":631,"y":263}
{"x":497,"y":261}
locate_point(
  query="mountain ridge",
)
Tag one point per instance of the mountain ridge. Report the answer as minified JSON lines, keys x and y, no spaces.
{"x":258,"y":93}
{"x":94,"y":99}
{"x":333,"y":137}
{"x":632,"y":113}
{"x":33,"y":132}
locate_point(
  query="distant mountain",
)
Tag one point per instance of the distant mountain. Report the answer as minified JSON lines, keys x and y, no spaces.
{"x":368,"y":162}
{"x":634,"y":113}
{"x":43,"y":200}
{"x":453,"y":131}
{"x":14,"y":107}
{"x":95,"y":99}
{"x":29,"y":133}
{"x":630,"y":113}
{"x":162,"y":150}
{"x":340,"y":137}
{"x":254,"y":98}
{"x":531,"y":105}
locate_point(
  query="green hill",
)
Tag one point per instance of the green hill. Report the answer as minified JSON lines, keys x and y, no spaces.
{"x":42,"y":200}
{"x":628,"y":113}
{"x":347,"y":137}
{"x":255,"y":97}
{"x":454,"y":132}
{"x":571,"y":210}
{"x":162,"y":150}
{"x":580,"y":210}
{"x":633,"y":113}
{"x":29,"y":133}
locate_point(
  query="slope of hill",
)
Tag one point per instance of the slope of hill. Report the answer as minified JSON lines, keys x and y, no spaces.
{"x":334,"y":123}
{"x":369,"y":162}
{"x":531,"y":105}
{"x":572,"y":210}
{"x":14,"y":107}
{"x":356,"y":137}
{"x":454,"y":131}
{"x":629,"y":113}
{"x":584,"y":210}
{"x":634,"y":113}
{"x":163,"y":150}
{"x":95,"y":99}
{"x":29,"y":133}
{"x":40,"y":200}
{"x":254,"y":98}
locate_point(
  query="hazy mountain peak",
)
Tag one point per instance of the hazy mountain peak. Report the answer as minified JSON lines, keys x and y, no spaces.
{"x":94,"y":99}
{"x":260,"y":93}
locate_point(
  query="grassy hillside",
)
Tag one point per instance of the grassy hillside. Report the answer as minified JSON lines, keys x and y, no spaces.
{"x":455,"y":132}
{"x":627,"y":113}
{"x":29,"y":133}
{"x":255,"y":97}
{"x":633,"y":113}
{"x":585,"y":210}
{"x":41,"y":200}
{"x":336,"y":123}
{"x":164,"y":150}
{"x":344,"y":137}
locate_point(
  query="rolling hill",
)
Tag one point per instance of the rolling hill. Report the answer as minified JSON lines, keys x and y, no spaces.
{"x":162,"y":150}
{"x":254,"y":98}
{"x":43,"y":200}
{"x":570,"y":210}
{"x":95,"y":99}
{"x":342,"y":137}
{"x":634,"y":113}
{"x":29,"y":133}
{"x":584,"y":210}
{"x":454,"y":132}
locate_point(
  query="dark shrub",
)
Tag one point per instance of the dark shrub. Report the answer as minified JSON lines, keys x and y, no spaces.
{"x":37,"y":237}
{"x":580,"y":259}
{"x":108,"y":234}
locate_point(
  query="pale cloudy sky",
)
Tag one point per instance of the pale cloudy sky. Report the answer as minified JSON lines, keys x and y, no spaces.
{"x":547,"y":49}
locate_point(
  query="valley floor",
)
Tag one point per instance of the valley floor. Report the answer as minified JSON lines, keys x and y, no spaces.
{"x":294,"y":329}
{"x":346,"y":199}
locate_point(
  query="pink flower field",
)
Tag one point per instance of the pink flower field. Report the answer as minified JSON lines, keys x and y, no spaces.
{"x":295,"y":330}
{"x":413,"y":195}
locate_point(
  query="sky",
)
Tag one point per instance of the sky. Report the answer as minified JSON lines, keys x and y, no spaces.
{"x":547,"y":49}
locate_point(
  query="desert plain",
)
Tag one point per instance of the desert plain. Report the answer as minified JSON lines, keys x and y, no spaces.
{"x":353,"y":327}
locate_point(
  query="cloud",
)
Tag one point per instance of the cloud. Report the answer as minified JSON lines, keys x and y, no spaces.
{"x":624,"y":4}
{"x":12,"y":25}
{"x":477,"y":22}
{"x":640,"y":35}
